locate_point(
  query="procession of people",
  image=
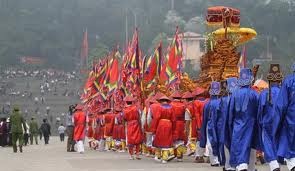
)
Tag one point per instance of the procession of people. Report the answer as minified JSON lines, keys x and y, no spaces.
{"x":149,"y":107}
{"x":224,"y":126}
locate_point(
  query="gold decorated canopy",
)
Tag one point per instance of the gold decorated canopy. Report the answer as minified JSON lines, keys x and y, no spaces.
{"x":243,"y":35}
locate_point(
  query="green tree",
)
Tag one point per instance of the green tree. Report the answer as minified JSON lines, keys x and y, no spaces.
{"x":98,"y":52}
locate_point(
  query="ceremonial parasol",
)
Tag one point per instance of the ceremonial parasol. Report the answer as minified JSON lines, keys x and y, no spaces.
{"x":243,"y":34}
{"x":223,"y":16}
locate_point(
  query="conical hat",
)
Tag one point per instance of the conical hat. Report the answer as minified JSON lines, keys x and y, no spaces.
{"x":164,"y":98}
{"x":187,"y":95}
{"x":176,"y":95}
{"x":198,"y":91}
{"x":79,"y":107}
{"x":158,"y":95}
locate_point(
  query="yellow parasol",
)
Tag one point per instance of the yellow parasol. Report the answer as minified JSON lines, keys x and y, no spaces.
{"x":244,"y":34}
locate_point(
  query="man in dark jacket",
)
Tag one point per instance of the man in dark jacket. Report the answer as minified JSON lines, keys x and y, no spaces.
{"x":3,"y":132}
{"x":70,"y":129}
{"x":45,"y":128}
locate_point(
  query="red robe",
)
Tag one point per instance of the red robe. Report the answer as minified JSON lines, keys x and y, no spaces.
{"x":179,"y":113}
{"x":99,"y":129}
{"x":109,"y":121}
{"x":90,"y":133}
{"x":154,"y":108}
{"x":164,"y":124}
{"x":119,"y":128}
{"x":196,"y":110}
{"x":80,"y":125}
{"x":132,"y":117}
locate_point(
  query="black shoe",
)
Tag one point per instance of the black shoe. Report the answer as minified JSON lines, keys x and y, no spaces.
{"x":215,"y":165}
{"x":281,"y":161}
{"x":199,"y":159}
{"x":277,"y":169}
{"x":170,"y":158}
{"x":191,"y":153}
{"x":20,"y":149}
{"x":261,"y":159}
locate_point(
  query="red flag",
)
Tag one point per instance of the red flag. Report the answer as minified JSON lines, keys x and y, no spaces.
{"x":90,"y":89}
{"x":113,"y":74}
{"x":89,"y":81}
{"x":163,"y":74}
{"x":174,"y":62}
{"x":153,"y":65}
{"x":134,"y":58}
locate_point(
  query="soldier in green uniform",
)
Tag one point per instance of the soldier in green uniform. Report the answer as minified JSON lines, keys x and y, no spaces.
{"x":34,"y":130}
{"x":18,"y":128}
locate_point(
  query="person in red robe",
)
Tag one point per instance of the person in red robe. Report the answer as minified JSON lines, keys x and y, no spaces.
{"x":190,"y":123}
{"x":109,"y":122}
{"x":179,"y":133}
{"x":96,"y":126}
{"x":80,"y":120}
{"x":163,"y":130}
{"x":196,"y":118}
{"x":131,"y":115}
{"x":99,"y":130}
{"x":144,"y":145}
{"x":119,"y":135}
{"x":90,"y":130}
{"x":147,"y":123}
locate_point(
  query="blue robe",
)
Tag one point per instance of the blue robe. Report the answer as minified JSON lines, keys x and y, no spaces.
{"x":285,"y":125}
{"x":266,"y":118}
{"x":244,"y":125}
{"x":209,"y":124}
{"x":223,"y":133}
{"x":225,"y":137}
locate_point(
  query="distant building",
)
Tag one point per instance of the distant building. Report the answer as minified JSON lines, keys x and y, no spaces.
{"x":193,"y":48}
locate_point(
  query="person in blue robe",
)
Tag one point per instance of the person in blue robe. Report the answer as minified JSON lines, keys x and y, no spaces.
{"x":220,"y":121}
{"x":285,"y":121}
{"x":209,"y":130}
{"x":267,"y":99}
{"x":243,"y":123}
{"x":229,"y":86}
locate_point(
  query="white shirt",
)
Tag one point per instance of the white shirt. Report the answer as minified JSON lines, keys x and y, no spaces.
{"x":187,"y":115}
{"x":61,"y":129}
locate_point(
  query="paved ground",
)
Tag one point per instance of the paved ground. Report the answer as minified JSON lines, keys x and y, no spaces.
{"x":54,"y":158}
